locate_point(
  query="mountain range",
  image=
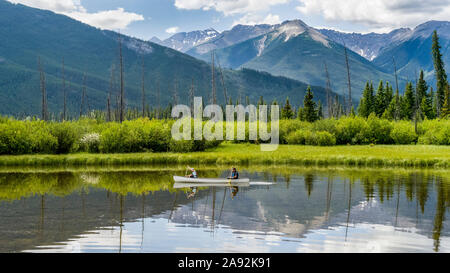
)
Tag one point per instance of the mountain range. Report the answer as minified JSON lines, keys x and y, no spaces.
{"x":29,"y":33}
{"x":410,"y":48}
{"x":295,"y":50}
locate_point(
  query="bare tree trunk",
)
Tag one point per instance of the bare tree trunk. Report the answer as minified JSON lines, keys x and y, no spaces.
{"x":175,"y":93}
{"x":143,"y":87}
{"x":108,"y":101}
{"x":225,"y":95}
{"x":83,"y":96}
{"x":396,"y":113}
{"x":122,"y":85}
{"x":330,"y":114}
{"x":213,"y":80}
{"x":191,"y":96}
{"x":350,"y":101}
{"x":44,"y":113}
{"x":158,"y":98}
{"x":64,"y":92}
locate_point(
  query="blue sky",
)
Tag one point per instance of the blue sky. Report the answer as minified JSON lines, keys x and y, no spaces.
{"x":161,"y":18}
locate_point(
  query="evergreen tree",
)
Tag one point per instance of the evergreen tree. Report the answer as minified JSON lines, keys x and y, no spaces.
{"x":287,"y":112}
{"x":366,"y":106}
{"x":309,"y":111}
{"x":426,"y":110}
{"x":441,"y":75}
{"x":380,"y":100}
{"x":393,"y":112}
{"x":446,"y":107}
{"x":422,"y":87}
{"x":408,"y":103}
{"x":389,"y":95}
{"x":320,"y":110}
{"x":434,"y":103}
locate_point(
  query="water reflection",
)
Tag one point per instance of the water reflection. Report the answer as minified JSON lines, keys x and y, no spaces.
{"x":307,"y":210}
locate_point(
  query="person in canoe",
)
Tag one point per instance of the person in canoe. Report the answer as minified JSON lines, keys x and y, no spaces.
{"x":193,"y":173}
{"x":234,"y":174}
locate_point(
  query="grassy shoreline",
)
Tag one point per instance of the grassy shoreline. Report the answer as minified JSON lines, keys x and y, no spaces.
{"x":408,"y":156}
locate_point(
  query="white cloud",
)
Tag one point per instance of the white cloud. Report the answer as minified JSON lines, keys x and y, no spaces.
{"x":229,"y":7}
{"x":172,"y":30}
{"x":378,"y":15}
{"x":252,"y":19}
{"x":108,"y":19}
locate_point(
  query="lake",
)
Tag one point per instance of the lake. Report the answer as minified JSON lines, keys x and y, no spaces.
{"x":306,"y":210}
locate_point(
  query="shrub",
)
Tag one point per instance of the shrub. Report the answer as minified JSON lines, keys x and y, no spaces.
{"x":352,"y":130}
{"x":90,"y":143}
{"x":66,"y":136}
{"x":325,"y":139}
{"x":403,"y":133}
{"x":435,"y":132}
{"x":122,"y":138}
{"x":379,"y":130}
{"x":298,"y":137}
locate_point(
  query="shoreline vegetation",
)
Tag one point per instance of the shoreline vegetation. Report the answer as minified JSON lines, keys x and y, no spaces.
{"x":372,"y":156}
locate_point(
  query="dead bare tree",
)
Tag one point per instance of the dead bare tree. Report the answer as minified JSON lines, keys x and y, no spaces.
{"x":328,"y":89}
{"x":396,"y":112}
{"x":158,"y":99}
{"x":108,"y":100}
{"x":191,"y":96}
{"x":83,"y":96}
{"x":225,"y":95}
{"x":350,"y":101}
{"x":64,"y":92}
{"x":175,"y":92}
{"x":213,"y":80}
{"x":122,"y":84}
{"x":143,"y":87}
{"x":44,"y":113}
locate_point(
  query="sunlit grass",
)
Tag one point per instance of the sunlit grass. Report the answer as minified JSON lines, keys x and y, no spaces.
{"x":246,"y":154}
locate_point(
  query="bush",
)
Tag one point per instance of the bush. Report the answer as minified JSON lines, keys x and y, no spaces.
{"x":66,"y":136}
{"x":298,"y":137}
{"x":435,"y":132}
{"x":90,"y":143}
{"x":352,"y":130}
{"x":122,"y":138}
{"x":325,"y":139}
{"x":379,"y":130}
{"x":403,"y":133}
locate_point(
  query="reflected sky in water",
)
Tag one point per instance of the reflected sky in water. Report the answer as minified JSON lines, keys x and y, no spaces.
{"x":307,"y":210}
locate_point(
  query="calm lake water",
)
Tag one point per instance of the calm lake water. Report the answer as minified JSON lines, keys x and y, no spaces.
{"x":306,"y":210}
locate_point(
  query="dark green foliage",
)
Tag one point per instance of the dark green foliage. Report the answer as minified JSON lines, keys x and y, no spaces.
{"x":287,"y":112}
{"x":408,"y":103}
{"x":441,"y":75}
{"x":309,"y":112}
{"x":367,"y":103}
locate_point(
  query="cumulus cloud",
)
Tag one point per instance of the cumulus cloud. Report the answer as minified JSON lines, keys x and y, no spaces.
{"x":172,"y":30}
{"x":252,"y":19}
{"x":229,"y":7}
{"x":378,"y":15}
{"x":108,"y":19}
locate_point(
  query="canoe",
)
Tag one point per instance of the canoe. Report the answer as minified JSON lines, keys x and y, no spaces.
{"x":183,"y":185}
{"x":180,"y":179}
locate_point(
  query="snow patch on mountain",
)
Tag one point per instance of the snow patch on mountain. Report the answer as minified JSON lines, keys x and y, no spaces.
{"x":295,"y":28}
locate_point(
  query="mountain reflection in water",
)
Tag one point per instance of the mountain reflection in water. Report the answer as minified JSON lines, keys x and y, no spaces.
{"x":306,"y":210}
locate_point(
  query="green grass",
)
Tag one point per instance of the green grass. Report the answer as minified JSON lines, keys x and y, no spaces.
{"x":408,"y":156}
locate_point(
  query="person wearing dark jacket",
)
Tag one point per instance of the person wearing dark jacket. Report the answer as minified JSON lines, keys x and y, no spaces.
{"x":234,"y":174}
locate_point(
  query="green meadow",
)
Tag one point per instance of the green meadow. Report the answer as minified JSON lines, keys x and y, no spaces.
{"x":408,"y":156}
